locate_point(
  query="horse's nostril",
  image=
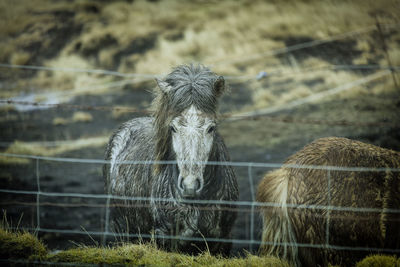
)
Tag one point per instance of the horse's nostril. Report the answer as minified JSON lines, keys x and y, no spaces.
{"x":197,"y":184}
{"x":181,"y":185}
{"x":189,"y":193}
{"x":189,"y":187}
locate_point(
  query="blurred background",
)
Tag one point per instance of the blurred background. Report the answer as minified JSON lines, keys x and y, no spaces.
{"x":72,"y":71}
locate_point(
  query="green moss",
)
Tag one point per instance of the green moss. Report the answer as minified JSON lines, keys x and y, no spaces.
{"x":379,"y":261}
{"x":133,"y":255}
{"x":89,"y":255}
{"x":25,"y":246}
{"x":20,"y":245}
{"x":252,"y":260}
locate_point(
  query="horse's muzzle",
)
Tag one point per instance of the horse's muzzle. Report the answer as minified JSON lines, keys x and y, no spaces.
{"x":191,"y":189}
{"x":189,"y":193}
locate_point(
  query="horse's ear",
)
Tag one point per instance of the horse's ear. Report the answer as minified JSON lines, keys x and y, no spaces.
{"x":164,"y":86}
{"x":219,"y":86}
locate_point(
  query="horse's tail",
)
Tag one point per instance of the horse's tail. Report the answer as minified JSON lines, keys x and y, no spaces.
{"x":278,"y":234}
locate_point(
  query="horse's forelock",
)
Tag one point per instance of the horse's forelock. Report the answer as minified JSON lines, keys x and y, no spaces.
{"x":189,"y":85}
{"x":192,"y":85}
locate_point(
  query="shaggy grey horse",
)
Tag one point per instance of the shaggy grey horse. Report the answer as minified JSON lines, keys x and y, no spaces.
{"x":183,"y":129}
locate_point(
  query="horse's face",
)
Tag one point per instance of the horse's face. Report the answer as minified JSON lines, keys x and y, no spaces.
{"x":192,"y":139}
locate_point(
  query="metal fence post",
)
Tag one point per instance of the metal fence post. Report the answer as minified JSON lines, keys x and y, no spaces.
{"x":329,"y":209}
{"x":249,"y":169}
{"x":37,"y":195}
{"x":107,"y":220}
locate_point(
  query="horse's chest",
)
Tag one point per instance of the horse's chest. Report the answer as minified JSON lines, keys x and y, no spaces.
{"x":198,"y":221}
{"x":189,"y":221}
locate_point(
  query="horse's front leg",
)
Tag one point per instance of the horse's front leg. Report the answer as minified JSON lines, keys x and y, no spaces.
{"x":162,"y":227}
{"x":160,"y":235}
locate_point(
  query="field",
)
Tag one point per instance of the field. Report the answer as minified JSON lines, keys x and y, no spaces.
{"x":72,"y":71}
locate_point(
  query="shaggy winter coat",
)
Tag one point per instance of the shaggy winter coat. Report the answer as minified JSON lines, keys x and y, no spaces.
{"x":148,"y":139}
{"x":284,"y":227}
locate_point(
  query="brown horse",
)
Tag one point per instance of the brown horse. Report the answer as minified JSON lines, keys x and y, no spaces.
{"x":294,"y":232}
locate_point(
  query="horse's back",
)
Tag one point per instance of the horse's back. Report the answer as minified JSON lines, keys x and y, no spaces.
{"x":348,"y":186}
{"x":334,"y":152}
{"x":346,"y":180}
{"x":337,"y":151}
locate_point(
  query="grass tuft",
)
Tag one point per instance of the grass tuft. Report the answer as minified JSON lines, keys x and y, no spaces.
{"x":25,"y":246}
{"x":379,"y":261}
{"x":41,"y":149}
{"x":20,"y":245}
{"x":147,"y":254}
{"x":81,"y":117}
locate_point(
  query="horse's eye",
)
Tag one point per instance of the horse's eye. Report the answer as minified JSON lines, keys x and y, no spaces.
{"x":173,"y":129}
{"x":211,"y":129}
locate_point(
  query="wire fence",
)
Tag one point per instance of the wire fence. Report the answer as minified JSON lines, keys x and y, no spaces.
{"x":262,"y":74}
{"x":250,"y":207}
{"x":288,"y":49}
{"x":311,"y":98}
{"x":139,"y":77}
{"x":274,"y":52}
{"x":244,"y":206}
{"x":256,"y":114}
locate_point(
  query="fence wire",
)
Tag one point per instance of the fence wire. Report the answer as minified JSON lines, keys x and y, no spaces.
{"x":283,"y":50}
{"x":292,"y":48}
{"x":256,"y":114}
{"x":251,"y":206}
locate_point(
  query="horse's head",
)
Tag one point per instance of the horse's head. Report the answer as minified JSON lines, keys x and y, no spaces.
{"x":192,"y":140}
{"x":191,"y":126}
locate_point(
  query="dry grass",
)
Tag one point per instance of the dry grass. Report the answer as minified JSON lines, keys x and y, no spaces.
{"x":41,"y":149}
{"x":146,"y":37}
{"x":37,"y":148}
{"x":78,"y":116}
{"x":150,"y":37}
{"x":168,"y":33}
{"x":58,"y":121}
{"x":373,"y":103}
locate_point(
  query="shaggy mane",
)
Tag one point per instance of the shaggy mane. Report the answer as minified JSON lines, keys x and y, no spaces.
{"x":190,"y":85}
